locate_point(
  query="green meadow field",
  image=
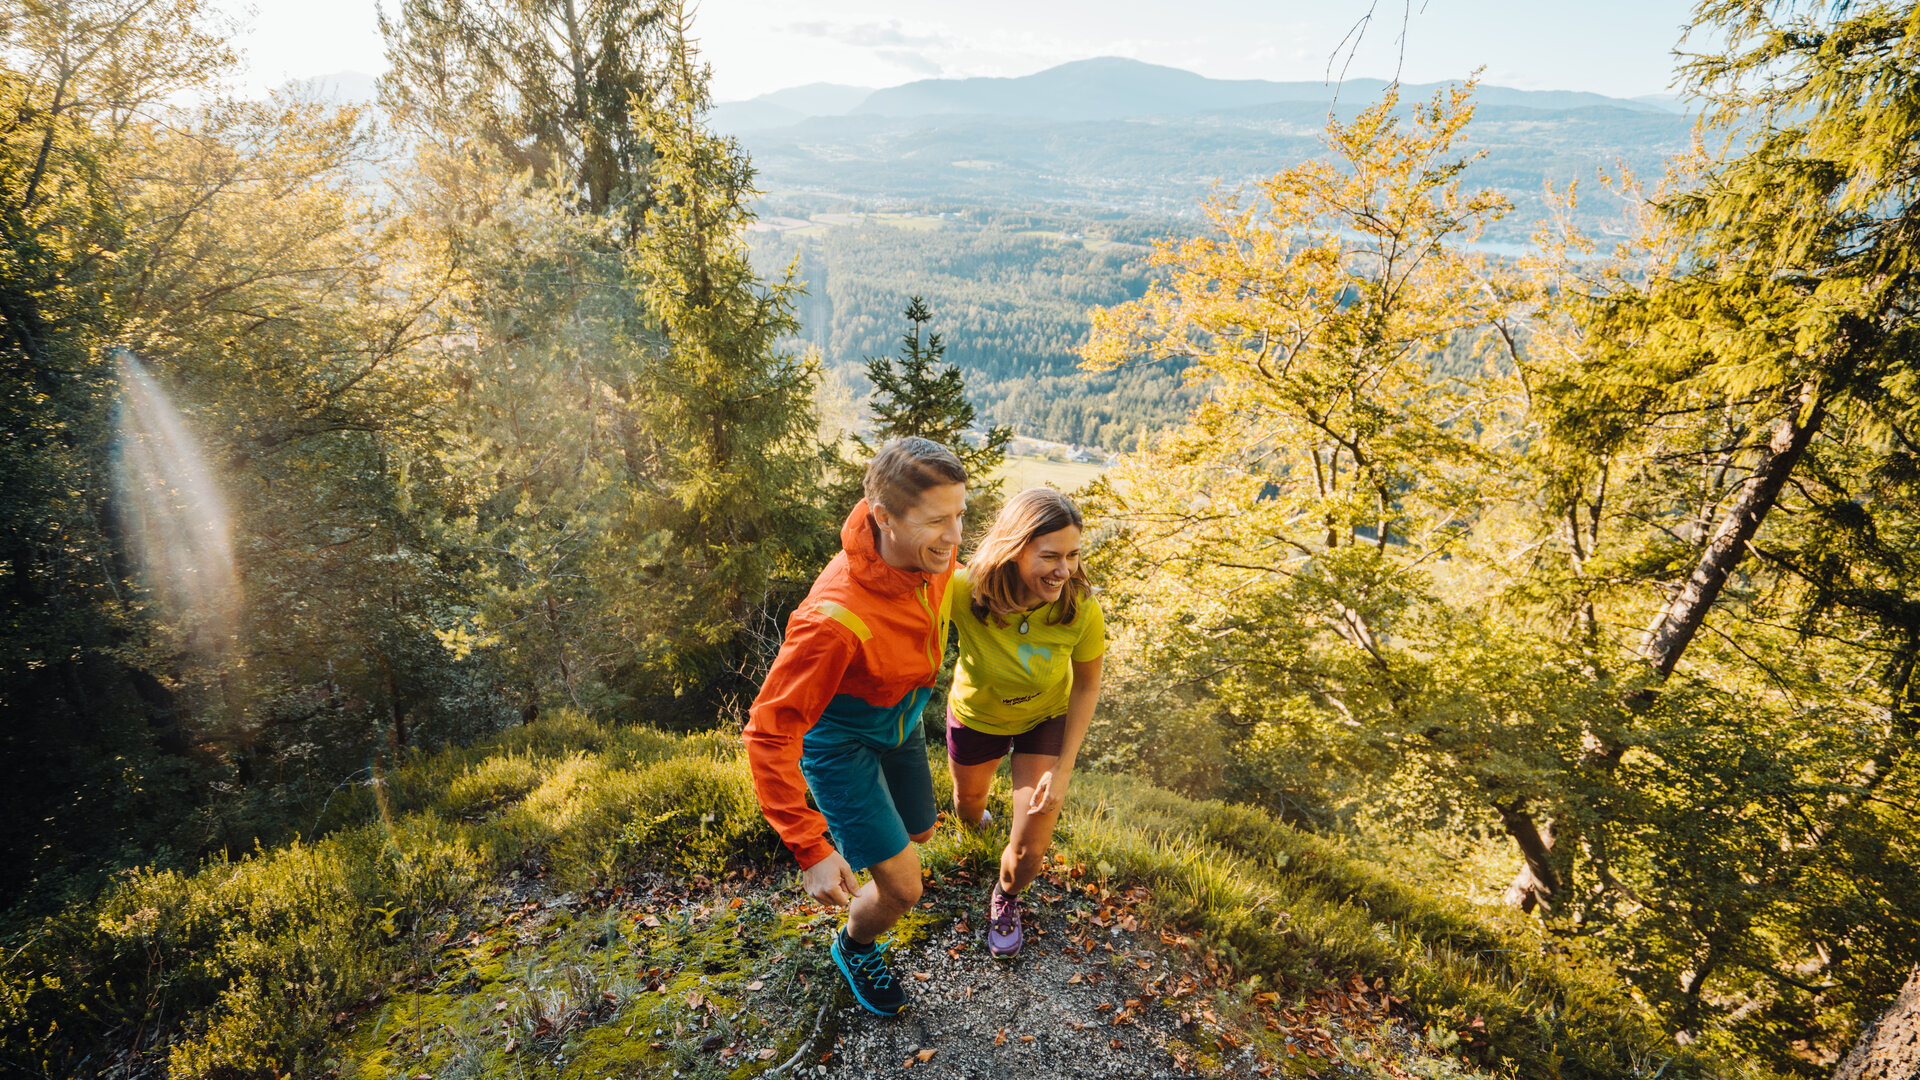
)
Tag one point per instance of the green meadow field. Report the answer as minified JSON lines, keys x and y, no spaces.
{"x":1021,"y":473}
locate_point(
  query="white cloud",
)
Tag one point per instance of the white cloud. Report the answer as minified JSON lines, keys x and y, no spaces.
{"x":913,"y":60}
{"x":868,"y":34}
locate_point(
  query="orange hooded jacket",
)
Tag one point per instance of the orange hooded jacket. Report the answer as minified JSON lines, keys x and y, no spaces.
{"x":858,"y":664}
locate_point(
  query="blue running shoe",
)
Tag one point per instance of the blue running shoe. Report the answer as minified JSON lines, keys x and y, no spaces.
{"x":869,"y":977}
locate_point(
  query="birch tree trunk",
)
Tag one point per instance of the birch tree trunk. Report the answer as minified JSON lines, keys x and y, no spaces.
{"x":1668,"y":636}
{"x":1670,"y":633}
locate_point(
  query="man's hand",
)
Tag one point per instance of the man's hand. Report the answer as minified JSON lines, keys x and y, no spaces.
{"x":830,"y":881}
{"x":1049,"y":793}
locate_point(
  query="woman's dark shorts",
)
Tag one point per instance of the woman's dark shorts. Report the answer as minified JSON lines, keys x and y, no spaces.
{"x":966,"y":746}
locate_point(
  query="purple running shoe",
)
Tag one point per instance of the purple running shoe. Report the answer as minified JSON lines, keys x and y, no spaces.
{"x":1003,"y":924}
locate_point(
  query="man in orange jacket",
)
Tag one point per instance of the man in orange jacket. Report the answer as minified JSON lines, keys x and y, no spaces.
{"x":841,"y":707}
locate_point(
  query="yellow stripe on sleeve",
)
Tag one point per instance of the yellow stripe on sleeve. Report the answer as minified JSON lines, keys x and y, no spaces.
{"x":845,"y":618}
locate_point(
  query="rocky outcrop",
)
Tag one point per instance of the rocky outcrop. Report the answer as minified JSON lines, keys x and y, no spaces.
{"x":1890,"y":1047}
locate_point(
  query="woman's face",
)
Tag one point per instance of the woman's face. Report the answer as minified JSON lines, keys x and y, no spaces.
{"x":1047,"y":562}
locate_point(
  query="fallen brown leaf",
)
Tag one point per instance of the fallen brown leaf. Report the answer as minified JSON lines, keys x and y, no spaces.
{"x":765,"y":1054}
{"x":512,"y":1044}
{"x":923,"y":976}
{"x":926,"y":1055}
{"x":1000,"y":1039}
{"x":1026,"y":1038}
{"x":756,"y":985}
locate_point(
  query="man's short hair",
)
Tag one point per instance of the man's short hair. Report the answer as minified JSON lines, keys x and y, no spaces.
{"x":905,"y":468}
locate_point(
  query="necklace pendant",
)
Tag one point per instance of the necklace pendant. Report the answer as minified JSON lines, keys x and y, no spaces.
{"x":1023,"y":624}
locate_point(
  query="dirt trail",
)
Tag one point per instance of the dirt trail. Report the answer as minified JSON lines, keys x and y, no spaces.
{"x":698,"y":979}
{"x":1057,"y":1010}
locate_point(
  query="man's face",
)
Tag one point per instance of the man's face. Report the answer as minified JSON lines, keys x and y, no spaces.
{"x":925,"y":536}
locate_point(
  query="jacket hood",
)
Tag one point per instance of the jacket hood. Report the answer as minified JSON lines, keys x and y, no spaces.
{"x":863,"y":556}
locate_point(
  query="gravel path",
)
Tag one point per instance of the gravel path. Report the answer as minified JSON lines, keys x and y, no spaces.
{"x":1060,"y":1009}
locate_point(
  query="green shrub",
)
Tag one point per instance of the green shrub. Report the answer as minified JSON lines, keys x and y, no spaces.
{"x":242,"y":964}
{"x":1280,"y":903}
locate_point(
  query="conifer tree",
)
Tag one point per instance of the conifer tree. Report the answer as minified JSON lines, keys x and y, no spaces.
{"x":547,"y":85}
{"x":1781,"y":288}
{"x":1764,"y":359}
{"x":641,"y":453}
{"x":529,"y":184}
{"x":920,"y":394}
{"x":729,"y":411}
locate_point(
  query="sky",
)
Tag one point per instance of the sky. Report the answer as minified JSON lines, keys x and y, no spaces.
{"x":1622,"y":48}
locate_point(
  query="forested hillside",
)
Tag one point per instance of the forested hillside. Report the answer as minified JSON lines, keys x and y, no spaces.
{"x":1510,"y":660}
{"x":1012,"y":303}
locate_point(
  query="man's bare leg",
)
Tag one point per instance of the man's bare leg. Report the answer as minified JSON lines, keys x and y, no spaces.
{"x":894,"y":890}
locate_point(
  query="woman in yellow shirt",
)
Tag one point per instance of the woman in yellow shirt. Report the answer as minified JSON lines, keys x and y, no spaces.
{"x":1031,"y":639}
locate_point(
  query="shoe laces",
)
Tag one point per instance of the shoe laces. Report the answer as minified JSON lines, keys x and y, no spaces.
{"x":873,"y":966}
{"x":1005,"y":910}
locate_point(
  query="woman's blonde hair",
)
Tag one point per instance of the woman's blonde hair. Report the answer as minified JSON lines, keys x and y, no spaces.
{"x":993,"y":573}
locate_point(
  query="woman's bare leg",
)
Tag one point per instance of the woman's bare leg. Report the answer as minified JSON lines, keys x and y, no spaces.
{"x":970,"y":786}
{"x":1026,"y":850}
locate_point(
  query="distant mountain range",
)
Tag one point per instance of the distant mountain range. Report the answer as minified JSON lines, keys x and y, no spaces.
{"x":1109,"y":88}
{"x":1113,"y":136}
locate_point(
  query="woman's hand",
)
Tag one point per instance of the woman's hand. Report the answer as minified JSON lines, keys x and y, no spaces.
{"x":1049,"y":793}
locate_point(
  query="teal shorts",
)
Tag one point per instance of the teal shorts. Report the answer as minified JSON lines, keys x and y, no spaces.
{"x":874,"y":800}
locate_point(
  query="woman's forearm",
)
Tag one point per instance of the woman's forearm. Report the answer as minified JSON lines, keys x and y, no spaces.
{"x":1080,"y":705}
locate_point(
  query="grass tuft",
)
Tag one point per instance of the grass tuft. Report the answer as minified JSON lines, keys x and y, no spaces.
{"x":266,"y":965}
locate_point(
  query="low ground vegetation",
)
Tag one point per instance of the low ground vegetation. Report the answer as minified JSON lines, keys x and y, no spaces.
{"x":572,"y":895}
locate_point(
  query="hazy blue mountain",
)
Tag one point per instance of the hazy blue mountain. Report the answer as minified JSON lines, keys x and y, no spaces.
{"x":735,"y":117}
{"x":1671,"y":102}
{"x":784,"y":108}
{"x":1109,"y":88}
{"x":1099,"y":89}
{"x":818,"y":99}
